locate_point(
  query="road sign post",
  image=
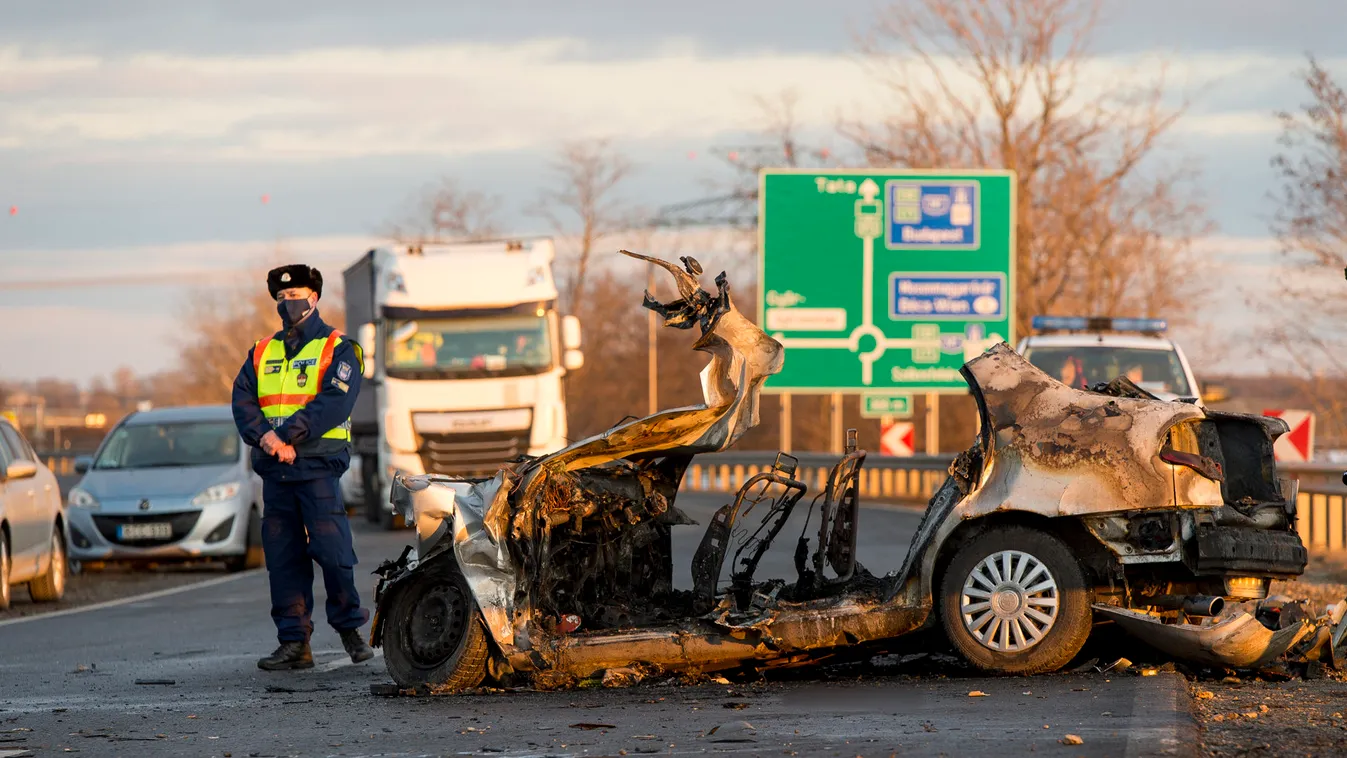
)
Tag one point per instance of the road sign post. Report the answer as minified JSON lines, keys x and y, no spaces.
{"x":877,"y":280}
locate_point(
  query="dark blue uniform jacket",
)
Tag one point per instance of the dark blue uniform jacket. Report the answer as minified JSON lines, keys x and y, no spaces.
{"x":329,"y":408}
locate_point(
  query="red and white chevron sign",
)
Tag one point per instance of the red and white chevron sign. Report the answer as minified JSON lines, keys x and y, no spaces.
{"x":1297,"y":445}
{"x":898,"y":439}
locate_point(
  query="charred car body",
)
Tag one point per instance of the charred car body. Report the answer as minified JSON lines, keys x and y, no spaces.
{"x":1070,"y":507}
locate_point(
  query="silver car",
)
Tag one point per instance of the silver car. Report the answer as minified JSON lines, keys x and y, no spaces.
{"x":32,"y":522}
{"x":169,"y":484}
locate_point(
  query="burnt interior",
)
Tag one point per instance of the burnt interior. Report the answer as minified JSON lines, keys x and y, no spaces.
{"x":603,"y":547}
{"x":1244,"y":445}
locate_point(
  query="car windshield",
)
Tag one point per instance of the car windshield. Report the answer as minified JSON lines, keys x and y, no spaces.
{"x":493,"y":346}
{"x":211,"y":443}
{"x":1152,"y":369}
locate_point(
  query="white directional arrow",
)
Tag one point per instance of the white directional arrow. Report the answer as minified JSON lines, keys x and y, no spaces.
{"x":869,"y":189}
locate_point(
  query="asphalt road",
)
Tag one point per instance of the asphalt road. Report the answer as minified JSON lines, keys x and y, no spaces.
{"x":69,"y":682}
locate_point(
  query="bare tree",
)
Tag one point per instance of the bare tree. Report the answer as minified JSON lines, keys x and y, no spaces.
{"x":1307,"y":309}
{"x":1102,"y":226}
{"x":585,"y":202}
{"x":446,"y":212}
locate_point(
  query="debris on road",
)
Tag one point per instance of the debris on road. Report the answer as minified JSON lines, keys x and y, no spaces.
{"x":591,"y":726}
{"x":1072,"y":739}
{"x":163,"y":682}
{"x":735,"y":731}
{"x":977,"y":693}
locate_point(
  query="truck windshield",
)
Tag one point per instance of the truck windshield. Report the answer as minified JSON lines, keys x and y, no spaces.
{"x":467,"y":347}
{"x":1154,"y":370}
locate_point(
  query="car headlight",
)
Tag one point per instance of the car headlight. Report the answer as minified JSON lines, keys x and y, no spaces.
{"x":79,"y":498}
{"x":216,"y":493}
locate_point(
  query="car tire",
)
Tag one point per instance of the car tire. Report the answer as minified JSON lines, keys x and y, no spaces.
{"x":253,"y":555}
{"x":433,"y":633}
{"x":50,"y":587}
{"x":5,"y":589}
{"x":1032,"y":618}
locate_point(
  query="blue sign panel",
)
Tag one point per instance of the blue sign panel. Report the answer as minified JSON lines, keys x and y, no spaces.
{"x":926,"y":215}
{"x":966,"y":297}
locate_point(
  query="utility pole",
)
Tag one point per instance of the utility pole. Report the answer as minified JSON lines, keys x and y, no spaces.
{"x":652,"y":348}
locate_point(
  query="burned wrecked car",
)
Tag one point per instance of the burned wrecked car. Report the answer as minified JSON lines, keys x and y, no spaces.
{"x":1071,"y":507}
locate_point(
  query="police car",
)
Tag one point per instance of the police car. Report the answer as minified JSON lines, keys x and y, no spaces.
{"x":1082,"y":351}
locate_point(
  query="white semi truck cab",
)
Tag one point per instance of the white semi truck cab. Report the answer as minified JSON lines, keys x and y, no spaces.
{"x":465,"y":359}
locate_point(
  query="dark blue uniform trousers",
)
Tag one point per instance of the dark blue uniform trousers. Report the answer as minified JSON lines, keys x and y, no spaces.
{"x":304,"y":522}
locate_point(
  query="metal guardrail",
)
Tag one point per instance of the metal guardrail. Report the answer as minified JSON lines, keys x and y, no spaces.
{"x":1321,"y":505}
{"x":910,"y":480}
{"x":61,"y":464}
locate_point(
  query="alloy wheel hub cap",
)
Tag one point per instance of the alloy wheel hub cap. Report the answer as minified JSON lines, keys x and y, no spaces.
{"x":1010,"y":601}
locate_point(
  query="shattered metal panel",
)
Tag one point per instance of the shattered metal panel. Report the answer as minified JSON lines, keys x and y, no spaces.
{"x":1058,"y":451}
{"x":1236,"y":641}
{"x":551,"y":531}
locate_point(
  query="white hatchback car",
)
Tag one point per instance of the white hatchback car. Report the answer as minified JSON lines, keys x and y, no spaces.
{"x":32,"y":522}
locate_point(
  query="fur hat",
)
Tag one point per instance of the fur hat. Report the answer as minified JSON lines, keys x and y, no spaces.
{"x":294,"y":275}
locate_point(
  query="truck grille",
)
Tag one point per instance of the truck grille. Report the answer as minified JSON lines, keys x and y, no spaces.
{"x":474,"y":454}
{"x":182,"y":524}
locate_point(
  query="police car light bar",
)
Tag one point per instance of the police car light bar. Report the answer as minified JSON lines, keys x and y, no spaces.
{"x":1098,"y":324}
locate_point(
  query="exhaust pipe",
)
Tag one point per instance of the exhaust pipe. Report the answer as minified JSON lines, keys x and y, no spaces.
{"x":1191,"y":605}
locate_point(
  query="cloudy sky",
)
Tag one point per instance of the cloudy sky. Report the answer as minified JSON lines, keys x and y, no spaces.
{"x":138,"y":137}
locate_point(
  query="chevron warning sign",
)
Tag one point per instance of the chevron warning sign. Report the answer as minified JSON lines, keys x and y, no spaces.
{"x":1297,"y":445}
{"x":897,"y":439}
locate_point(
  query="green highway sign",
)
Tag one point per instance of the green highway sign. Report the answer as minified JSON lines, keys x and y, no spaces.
{"x":884,"y":280}
{"x":879,"y":406}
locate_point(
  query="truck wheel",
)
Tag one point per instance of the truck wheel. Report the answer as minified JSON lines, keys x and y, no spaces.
{"x":369,"y":489}
{"x":433,"y":632}
{"x":50,"y":587}
{"x":391,"y":521}
{"x":1014,"y":601}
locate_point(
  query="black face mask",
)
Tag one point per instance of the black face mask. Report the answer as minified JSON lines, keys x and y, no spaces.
{"x":293,"y":311}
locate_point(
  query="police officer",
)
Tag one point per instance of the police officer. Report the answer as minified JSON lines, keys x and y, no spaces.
{"x":292,"y":403}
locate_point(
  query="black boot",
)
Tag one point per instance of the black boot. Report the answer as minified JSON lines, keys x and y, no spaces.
{"x":290,"y":655}
{"x":356,"y":646}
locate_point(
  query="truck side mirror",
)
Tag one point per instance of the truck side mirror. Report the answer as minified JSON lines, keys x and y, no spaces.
{"x":573,"y":359}
{"x":570,"y":332}
{"x":368,"y":338}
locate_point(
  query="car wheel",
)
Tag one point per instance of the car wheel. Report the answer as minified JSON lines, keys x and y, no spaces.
{"x":253,"y":556}
{"x":433,"y":632}
{"x":1014,"y":601}
{"x":50,"y":587}
{"x":4,"y":572}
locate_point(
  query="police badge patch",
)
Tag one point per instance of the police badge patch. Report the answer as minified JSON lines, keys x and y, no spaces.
{"x":302,"y":379}
{"x":344,"y":371}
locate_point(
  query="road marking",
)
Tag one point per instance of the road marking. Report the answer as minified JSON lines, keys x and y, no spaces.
{"x":134,"y":598}
{"x":344,"y":662}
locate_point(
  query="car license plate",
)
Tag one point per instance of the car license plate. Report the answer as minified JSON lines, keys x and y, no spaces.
{"x":144,"y":531}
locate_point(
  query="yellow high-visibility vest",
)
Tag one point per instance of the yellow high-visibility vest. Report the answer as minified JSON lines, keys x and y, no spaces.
{"x":284,"y":386}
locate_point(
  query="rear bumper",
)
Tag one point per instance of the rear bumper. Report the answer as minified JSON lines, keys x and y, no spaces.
{"x":1225,"y":550}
